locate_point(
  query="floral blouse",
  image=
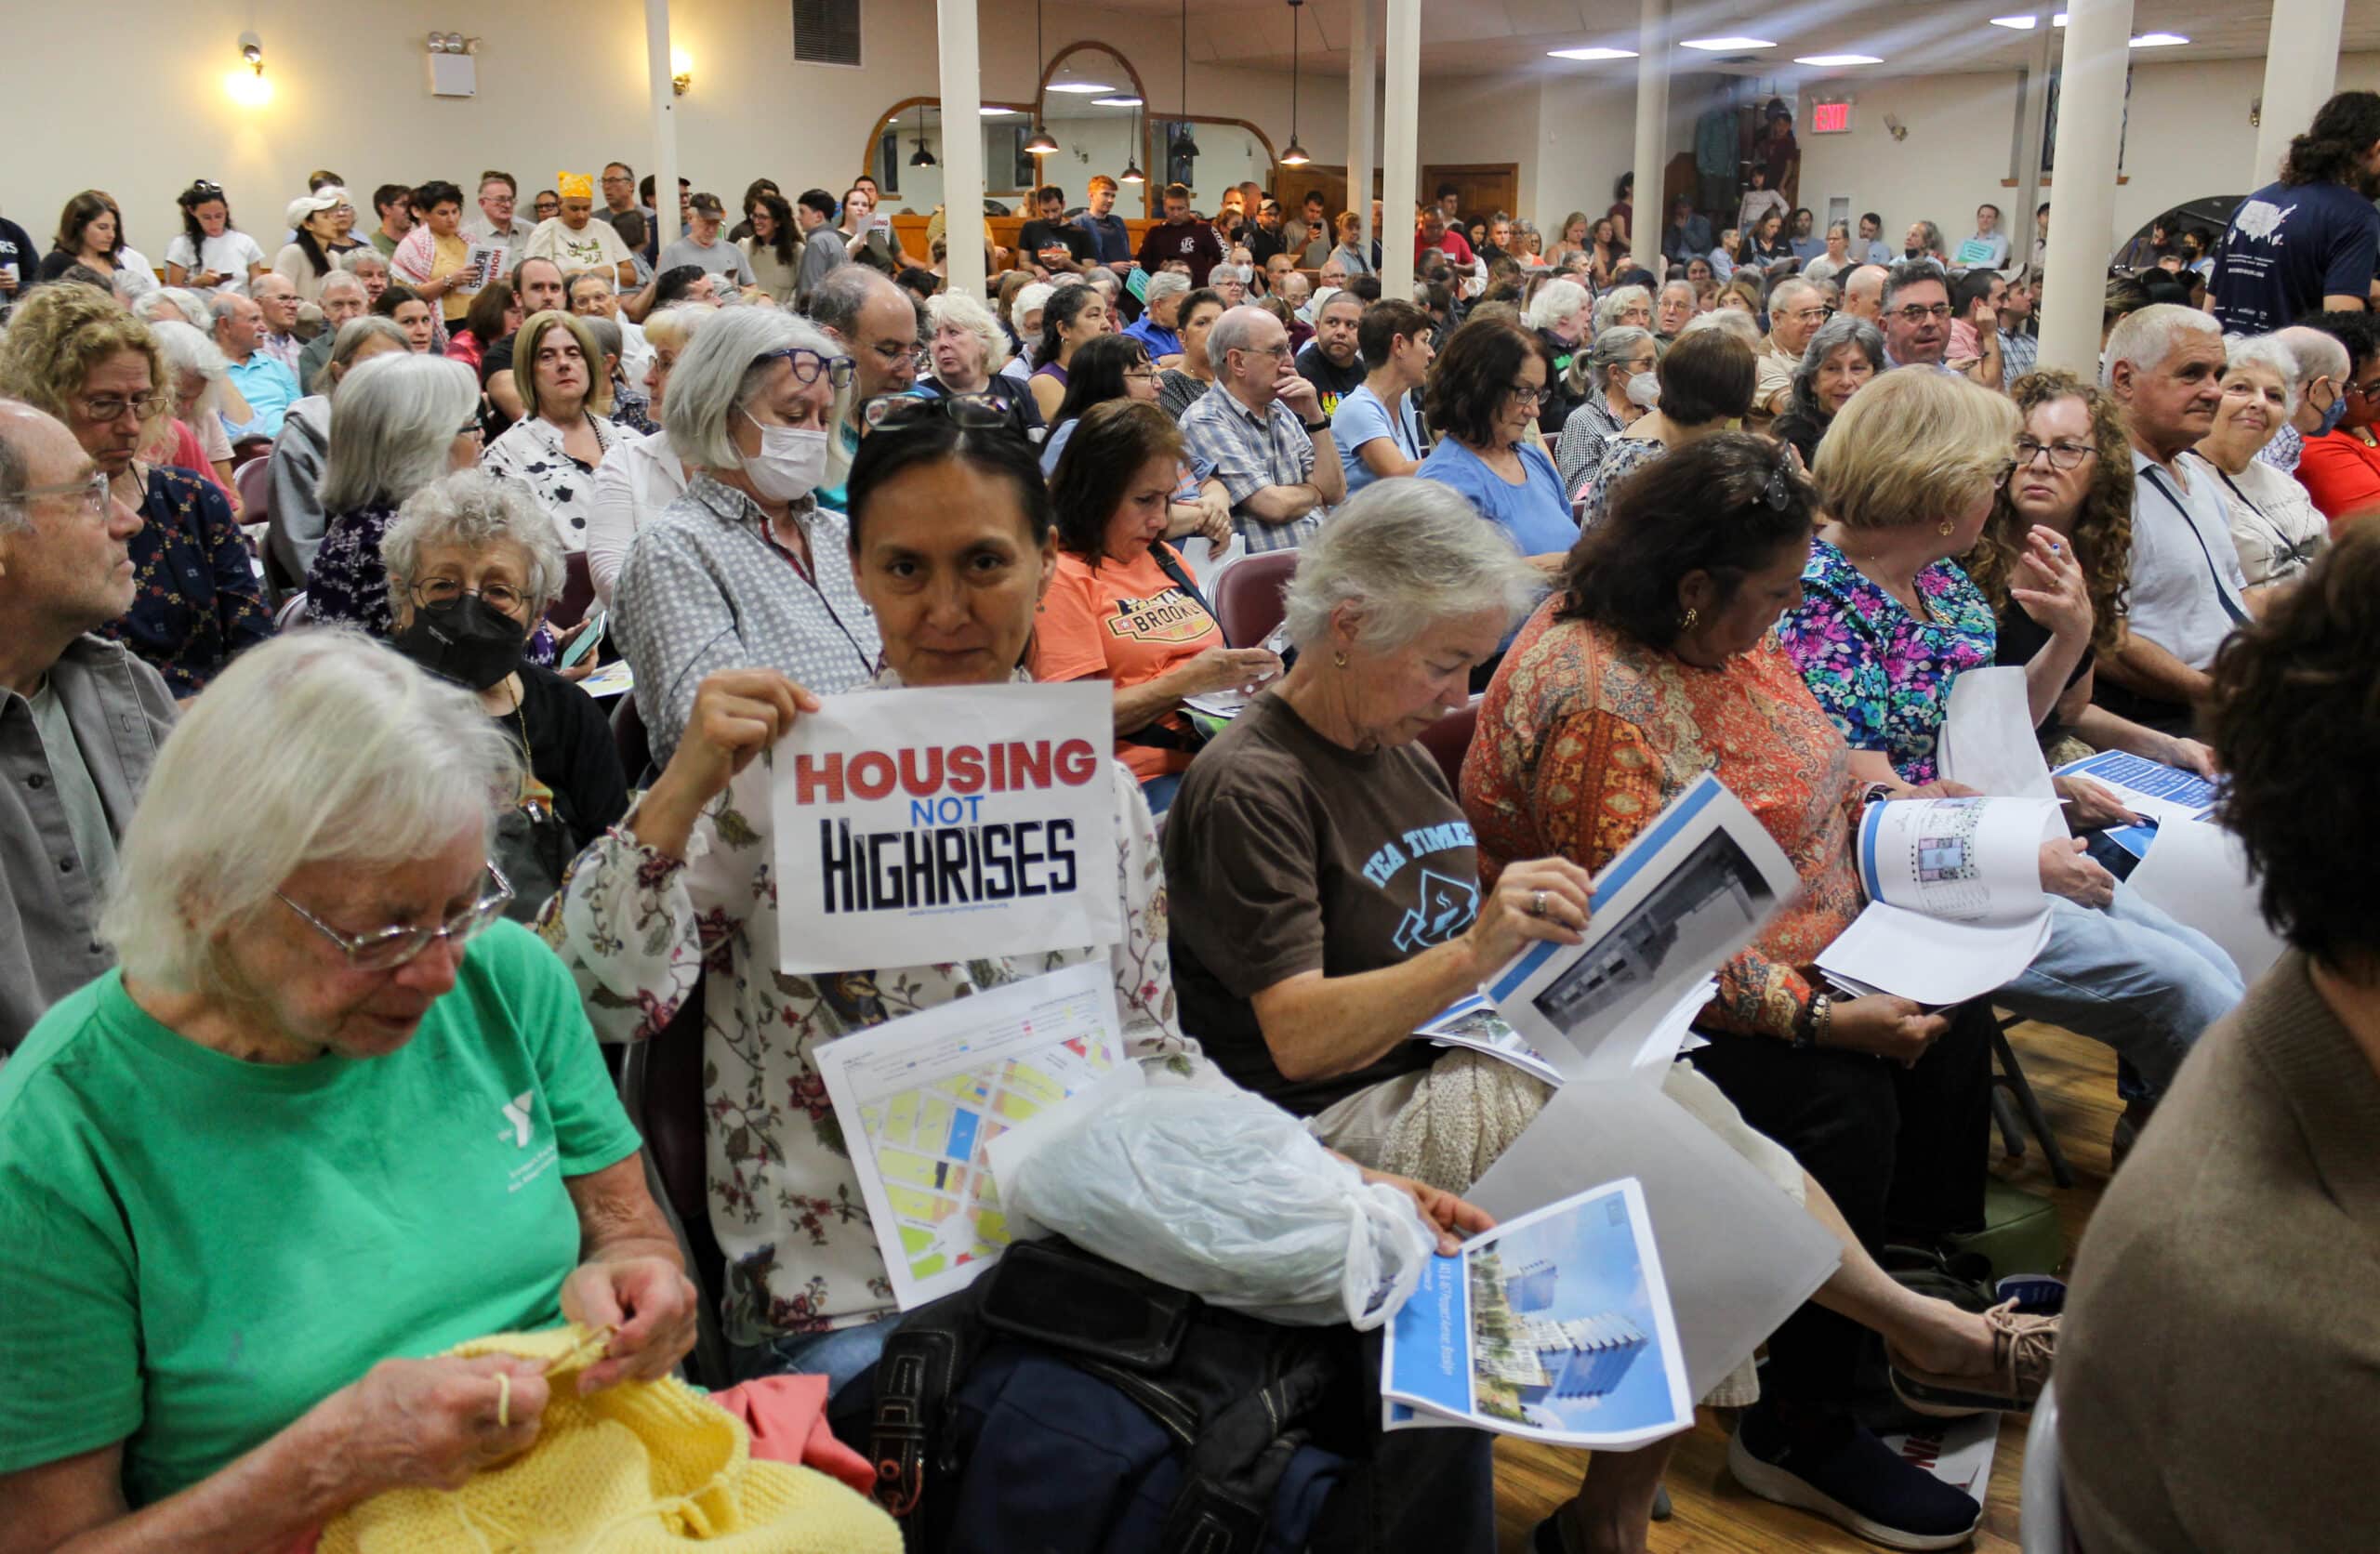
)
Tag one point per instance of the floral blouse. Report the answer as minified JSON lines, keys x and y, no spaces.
{"x":637,"y":928}
{"x":1882,"y":674}
{"x":1585,"y":734}
{"x":195,"y":601}
{"x":530,"y":454}
{"x":1622,"y":456}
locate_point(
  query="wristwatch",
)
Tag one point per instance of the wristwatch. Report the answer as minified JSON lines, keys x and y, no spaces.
{"x":1314,"y":426}
{"x":1815,"y":1021}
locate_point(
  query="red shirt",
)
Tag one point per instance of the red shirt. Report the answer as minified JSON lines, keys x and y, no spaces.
{"x":2341,"y":472}
{"x":1452,"y":245}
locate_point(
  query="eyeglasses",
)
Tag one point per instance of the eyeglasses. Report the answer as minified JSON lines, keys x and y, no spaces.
{"x":2062,"y":455}
{"x":2000,"y":475}
{"x":104,"y":408}
{"x":980,"y":410}
{"x":94,"y":492}
{"x":436,"y":592}
{"x":471,"y":428}
{"x":2365,"y":391}
{"x":1141,"y":374}
{"x":1914,"y":314}
{"x":207,"y":187}
{"x":1528,"y":393}
{"x":389,"y":948}
{"x":1280,"y":350}
{"x":1813,"y":315}
{"x":807,"y":364}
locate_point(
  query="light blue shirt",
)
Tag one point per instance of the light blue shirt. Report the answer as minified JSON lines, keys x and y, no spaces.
{"x":269,"y":389}
{"x":1362,"y":418}
{"x":1534,"y":513}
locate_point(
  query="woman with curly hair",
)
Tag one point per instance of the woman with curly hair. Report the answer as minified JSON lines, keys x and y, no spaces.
{"x":2069,"y":506}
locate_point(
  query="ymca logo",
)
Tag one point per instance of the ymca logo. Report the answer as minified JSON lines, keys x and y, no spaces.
{"x":519,"y":1122}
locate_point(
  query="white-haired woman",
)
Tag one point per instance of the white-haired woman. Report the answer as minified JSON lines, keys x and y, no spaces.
{"x":398,"y":423}
{"x":1560,"y":312}
{"x":1025,"y":323}
{"x":745,"y":568}
{"x":565,"y":427}
{"x":967,"y":350}
{"x":2275,"y":526}
{"x":313,"y":944}
{"x":1632,"y":306}
{"x":295,"y":473}
{"x":195,"y":439}
{"x":640,"y":476}
{"x":1616,"y":381}
{"x":474,"y":566}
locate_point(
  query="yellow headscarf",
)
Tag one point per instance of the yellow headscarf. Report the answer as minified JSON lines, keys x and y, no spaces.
{"x":574,"y":186}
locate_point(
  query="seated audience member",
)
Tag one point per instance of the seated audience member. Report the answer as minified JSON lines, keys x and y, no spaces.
{"x":703,"y":245}
{"x":278,"y":306}
{"x":195,"y":440}
{"x":2124,"y":297}
{"x":1617,"y":384}
{"x":1179,"y":386}
{"x":2274,"y":525}
{"x":1159,"y":326}
{"x":632,"y":225}
{"x":1834,"y":257}
{"x":1914,"y":310}
{"x":1260,"y":433}
{"x":1706,"y":383}
{"x":65,"y":694}
{"x":495,"y":313}
{"x":1887,"y":620}
{"x":631,"y":409}
{"x":342,"y":298}
{"x":1121,"y":605}
{"x":309,"y":942}
{"x":1655,"y":664}
{"x":773,"y":249}
{"x":537,"y":286}
{"x":967,"y":350}
{"x":1671,"y":309}
{"x":397,"y":424}
{"x":640,"y":476}
{"x":209,"y":255}
{"x":305,"y":260}
{"x":1378,"y":428}
{"x":295,"y":471}
{"x":2228,"y":1232}
{"x":1481,"y":401}
{"x":2322,"y":372}
{"x":90,"y":233}
{"x":1626,"y":304}
{"x":73,"y":354}
{"x":2165,"y":366}
{"x":1050,"y":243}
{"x":1742,"y":295}
{"x":1559,"y":313}
{"x":565,"y":427}
{"x":875,"y":324}
{"x":1974,"y":349}
{"x":2339,"y":464}
{"x":1863,"y":292}
{"x":1797,"y":308}
{"x":1110,"y":367}
{"x":474,"y":566}
{"x":822,"y":245}
{"x":1072,"y":316}
{"x":575,"y":239}
{"x":687,"y":282}
{"x":746,"y":567}
{"x":2020,"y":349}
{"x":1330,"y":360}
{"x":402,"y":306}
{"x":1843,"y":354}
{"x":591,"y":295}
{"x":266,"y":387}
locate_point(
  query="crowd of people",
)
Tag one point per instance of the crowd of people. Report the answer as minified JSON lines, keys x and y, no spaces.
{"x":286,"y":781}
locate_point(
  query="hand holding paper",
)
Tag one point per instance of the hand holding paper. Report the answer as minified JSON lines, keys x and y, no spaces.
{"x":737,"y":714}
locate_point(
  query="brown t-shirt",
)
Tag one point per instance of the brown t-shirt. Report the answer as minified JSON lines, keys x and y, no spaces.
{"x":1286,"y":853}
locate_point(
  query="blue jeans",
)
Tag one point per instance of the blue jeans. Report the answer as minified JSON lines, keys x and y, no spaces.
{"x":2131,"y":977}
{"x":838,"y":1356}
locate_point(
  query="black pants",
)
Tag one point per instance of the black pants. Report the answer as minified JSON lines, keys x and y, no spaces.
{"x":1903,"y":1150}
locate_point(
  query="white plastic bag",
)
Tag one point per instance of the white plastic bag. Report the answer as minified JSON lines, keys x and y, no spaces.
{"x":1223,"y":1193}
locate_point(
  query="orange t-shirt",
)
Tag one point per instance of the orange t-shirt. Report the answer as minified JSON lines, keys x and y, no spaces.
{"x":1125,"y":622}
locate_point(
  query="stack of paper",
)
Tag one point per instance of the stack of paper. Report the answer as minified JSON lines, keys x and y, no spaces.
{"x":1954,"y":897}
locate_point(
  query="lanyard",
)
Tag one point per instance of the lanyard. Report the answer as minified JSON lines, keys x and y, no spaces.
{"x":2238,"y":616}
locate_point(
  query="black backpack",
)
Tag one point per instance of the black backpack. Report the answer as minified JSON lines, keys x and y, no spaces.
{"x":1063,"y":1405}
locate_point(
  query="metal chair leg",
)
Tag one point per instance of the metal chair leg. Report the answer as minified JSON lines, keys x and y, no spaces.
{"x":2011,"y":1078}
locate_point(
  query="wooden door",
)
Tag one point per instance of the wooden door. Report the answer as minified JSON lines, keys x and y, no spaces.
{"x":1487,"y":187}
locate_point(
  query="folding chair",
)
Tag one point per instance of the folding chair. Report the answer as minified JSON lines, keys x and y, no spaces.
{"x":661,"y":1084}
{"x":2018,"y":1111}
{"x":1248,"y":596}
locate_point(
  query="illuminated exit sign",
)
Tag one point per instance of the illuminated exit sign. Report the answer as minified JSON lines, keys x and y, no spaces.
{"x":1831,"y":118}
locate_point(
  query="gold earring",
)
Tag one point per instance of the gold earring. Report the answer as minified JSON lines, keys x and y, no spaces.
{"x":1944,"y":528}
{"x":1338,"y":660}
{"x":1685,"y":621}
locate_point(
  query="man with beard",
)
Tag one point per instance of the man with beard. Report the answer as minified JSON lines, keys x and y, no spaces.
{"x":2308,"y":243}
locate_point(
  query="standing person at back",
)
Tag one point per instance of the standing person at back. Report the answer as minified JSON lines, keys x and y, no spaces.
{"x":2308,"y":244}
{"x":703,"y":244}
{"x":1180,"y":239}
{"x":822,"y":245}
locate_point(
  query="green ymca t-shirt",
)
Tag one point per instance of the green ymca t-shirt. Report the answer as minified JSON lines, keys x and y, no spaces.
{"x":200,"y":1249}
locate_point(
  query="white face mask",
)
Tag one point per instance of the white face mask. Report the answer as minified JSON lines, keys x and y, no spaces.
{"x":1643,"y":390}
{"x":791,"y":463}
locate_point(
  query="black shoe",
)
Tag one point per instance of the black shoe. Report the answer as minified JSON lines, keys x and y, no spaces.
{"x":1850,"y":1477}
{"x":1547,"y":1536}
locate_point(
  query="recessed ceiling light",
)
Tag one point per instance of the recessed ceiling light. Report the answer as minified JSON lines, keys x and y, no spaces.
{"x":1825,"y":62}
{"x":1080,"y":88}
{"x":1727,"y":46}
{"x":1590,"y":54}
{"x":2025,"y":23}
{"x":2159,"y":40}
{"x":991,"y":112}
{"x":1116,"y":102}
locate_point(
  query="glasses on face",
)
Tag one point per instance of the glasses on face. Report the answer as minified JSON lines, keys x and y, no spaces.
{"x":1141,"y":374}
{"x":808,"y":366}
{"x":387,"y":948}
{"x":93,"y":490}
{"x":1528,"y":394}
{"x":2365,"y":391}
{"x":104,"y":408}
{"x":1810,"y":315}
{"x":2000,"y":475}
{"x":437,"y":592}
{"x":1279,"y":350}
{"x":1916,"y":313}
{"x":2062,"y":455}
{"x":980,"y":410}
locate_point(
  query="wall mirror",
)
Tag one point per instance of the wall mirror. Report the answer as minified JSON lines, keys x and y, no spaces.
{"x":1093,"y":106}
{"x":913,"y":184}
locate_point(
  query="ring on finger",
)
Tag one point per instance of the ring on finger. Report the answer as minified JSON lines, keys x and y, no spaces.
{"x":1537,"y":904}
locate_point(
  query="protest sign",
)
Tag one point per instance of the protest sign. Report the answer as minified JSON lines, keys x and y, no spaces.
{"x":918,"y":827}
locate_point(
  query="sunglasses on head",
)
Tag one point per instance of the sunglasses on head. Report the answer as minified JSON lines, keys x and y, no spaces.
{"x":980,"y":410}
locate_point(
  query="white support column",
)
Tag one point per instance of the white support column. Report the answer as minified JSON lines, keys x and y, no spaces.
{"x":1401,"y":147}
{"x":962,"y":147}
{"x":1363,"y":113}
{"x":1652,"y":132}
{"x":2090,"y":124}
{"x":2018,"y":223}
{"x":666,"y":227}
{"x":2301,"y":70}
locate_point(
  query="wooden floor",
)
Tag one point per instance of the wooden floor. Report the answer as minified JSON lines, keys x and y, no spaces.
{"x":2075,"y":1080}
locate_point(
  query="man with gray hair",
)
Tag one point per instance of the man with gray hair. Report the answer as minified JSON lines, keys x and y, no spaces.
{"x":1863,"y":293}
{"x":1156,"y":328}
{"x":876,"y":324}
{"x":1260,"y":433}
{"x":269,"y":386}
{"x":81,"y":718}
{"x":2322,"y":375}
{"x":1916,"y":316}
{"x":276,"y":298}
{"x":342,"y":298}
{"x":1796,"y":308}
{"x":2164,"y":367}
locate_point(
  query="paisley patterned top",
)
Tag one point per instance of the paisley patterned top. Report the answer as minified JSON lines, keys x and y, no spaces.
{"x":1882,"y":674}
{"x":637,"y":928}
{"x":1586,"y":734}
{"x":195,"y":600}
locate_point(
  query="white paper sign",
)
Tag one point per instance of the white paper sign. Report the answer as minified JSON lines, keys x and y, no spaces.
{"x":2199,"y":874}
{"x":1988,"y":740}
{"x":918,"y":827}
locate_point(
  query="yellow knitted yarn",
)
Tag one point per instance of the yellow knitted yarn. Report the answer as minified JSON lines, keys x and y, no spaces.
{"x":642,"y":1466}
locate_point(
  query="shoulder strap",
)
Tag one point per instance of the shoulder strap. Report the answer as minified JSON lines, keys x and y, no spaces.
{"x":920,"y":1365}
{"x":2223,"y":595}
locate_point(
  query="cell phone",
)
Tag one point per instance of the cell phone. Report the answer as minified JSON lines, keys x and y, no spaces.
{"x":583,"y":646}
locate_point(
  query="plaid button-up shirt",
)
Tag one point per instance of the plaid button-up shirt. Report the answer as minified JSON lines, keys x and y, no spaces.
{"x":1249,"y":451}
{"x":2019,"y":354}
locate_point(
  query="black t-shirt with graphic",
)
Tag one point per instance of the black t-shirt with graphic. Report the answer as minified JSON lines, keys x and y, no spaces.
{"x":1332,"y":383}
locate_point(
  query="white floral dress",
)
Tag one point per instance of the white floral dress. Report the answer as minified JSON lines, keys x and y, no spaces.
{"x":530,"y":454}
{"x":637,"y":927}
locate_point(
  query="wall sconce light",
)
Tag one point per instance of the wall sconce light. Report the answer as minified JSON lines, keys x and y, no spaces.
{"x":245,"y":82}
{"x":252,"y":51}
{"x":682,"y":72}
{"x":2256,"y":113}
{"x":1894,"y":127}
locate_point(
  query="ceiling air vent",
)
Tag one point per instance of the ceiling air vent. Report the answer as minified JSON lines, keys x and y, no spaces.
{"x":825,"y":32}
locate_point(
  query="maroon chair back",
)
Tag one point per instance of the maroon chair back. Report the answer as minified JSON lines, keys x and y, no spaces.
{"x":1448,"y":740}
{"x":255,"y":490}
{"x":577,"y":592}
{"x":1248,"y":596}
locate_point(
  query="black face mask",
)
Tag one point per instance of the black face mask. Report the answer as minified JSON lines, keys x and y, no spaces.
{"x":469,"y":639}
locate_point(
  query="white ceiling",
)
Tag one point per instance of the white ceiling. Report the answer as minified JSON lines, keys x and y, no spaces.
{"x":1461,"y":37}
